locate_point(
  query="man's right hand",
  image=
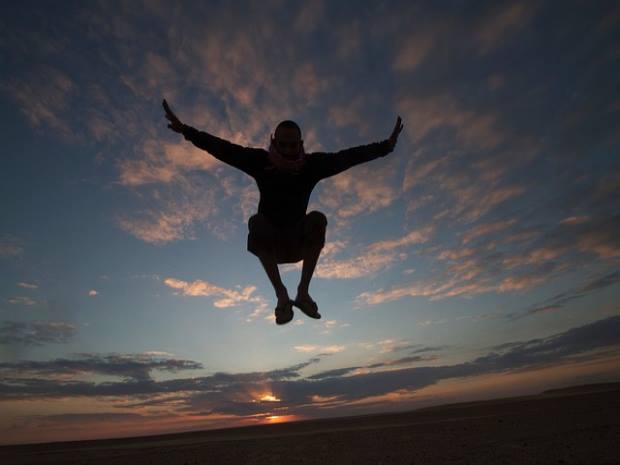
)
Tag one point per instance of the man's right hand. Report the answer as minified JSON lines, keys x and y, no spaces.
{"x":175,"y":123}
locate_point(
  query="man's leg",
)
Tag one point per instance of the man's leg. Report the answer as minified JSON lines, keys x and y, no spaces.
{"x":310,"y":257}
{"x":271,"y":268}
{"x":315,"y":226}
{"x":259,"y":230}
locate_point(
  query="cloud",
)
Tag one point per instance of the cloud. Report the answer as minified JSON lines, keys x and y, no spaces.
{"x":470,"y":201}
{"x":174,"y":219}
{"x":307,"y":348}
{"x":350,"y":113}
{"x":309,"y":16}
{"x":224,"y":297}
{"x":439,"y":288}
{"x":509,"y":261}
{"x":363,"y":264}
{"x":360,"y":370}
{"x":416,"y":236}
{"x":80,"y":419}
{"x":308,"y":83}
{"x":470,"y":277}
{"x":423,"y":349}
{"x":499,"y":24}
{"x":392,"y":345}
{"x":36,"y":333}
{"x":161,"y":227}
{"x":28,"y":285}
{"x":10,"y":246}
{"x":425,"y":114}
{"x":253,"y":393}
{"x":560,"y":300}
{"x":362,"y":189}
{"x":162,"y":162}
{"x":348,"y":39}
{"x":414,"y":48}
{"x":488,"y":228}
{"x":43,"y":98}
{"x":152,"y":75}
{"x":518,"y":283}
{"x":22,"y":300}
{"x":602,"y":240}
{"x":573,"y":220}
{"x":130,"y":367}
{"x":595,"y":238}
{"x":387,"y":346}
{"x":418,"y":170}
{"x":372,"y":258}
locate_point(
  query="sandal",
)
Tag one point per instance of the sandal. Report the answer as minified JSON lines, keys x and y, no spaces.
{"x":284,"y":313}
{"x":308,"y":306}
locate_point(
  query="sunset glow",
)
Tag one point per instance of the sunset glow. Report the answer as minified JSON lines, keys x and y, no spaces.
{"x":281,"y":418}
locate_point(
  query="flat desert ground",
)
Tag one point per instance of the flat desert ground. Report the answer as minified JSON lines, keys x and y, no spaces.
{"x":578,"y":425}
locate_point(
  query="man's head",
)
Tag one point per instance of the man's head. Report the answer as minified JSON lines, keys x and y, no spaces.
{"x":288,"y":139}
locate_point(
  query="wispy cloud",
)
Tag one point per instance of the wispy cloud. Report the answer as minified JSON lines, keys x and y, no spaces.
{"x":130,"y":367}
{"x":363,"y":264}
{"x":36,"y":333}
{"x":362,"y":189}
{"x":10,"y":246}
{"x":28,"y":285}
{"x":508,"y":263}
{"x":473,"y":128}
{"x":482,"y":230}
{"x":42,"y":99}
{"x":559,"y":301}
{"x":501,"y":23}
{"x":414,"y":48}
{"x":416,"y":236}
{"x":238,"y":393}
{"x":22,"y":300}
{"x":309,"y":348}
{"x":224,"y":297}
{"x":387,"y":346}
{"x":372,"y":258}
{"x":164,"y":163}
{"x":174,"y":219}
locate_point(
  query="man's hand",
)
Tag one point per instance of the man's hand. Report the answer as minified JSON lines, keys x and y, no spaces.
{"x":175,"y":123}
{"x":394,"y":137}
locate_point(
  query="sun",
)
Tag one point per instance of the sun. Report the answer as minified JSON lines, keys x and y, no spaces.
{"x":280,"y":418}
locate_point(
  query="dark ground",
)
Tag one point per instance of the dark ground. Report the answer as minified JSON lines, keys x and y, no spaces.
{"x":579,"y":425}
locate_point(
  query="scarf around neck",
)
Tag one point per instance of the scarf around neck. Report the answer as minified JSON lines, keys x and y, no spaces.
{"x":284,"y":164}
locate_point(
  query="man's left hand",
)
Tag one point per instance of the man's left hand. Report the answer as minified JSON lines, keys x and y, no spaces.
{"x":394,"y":137}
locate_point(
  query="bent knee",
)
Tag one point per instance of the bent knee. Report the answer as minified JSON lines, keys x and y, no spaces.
{"x":316,"y":217}
{"x":258,"y":221}
{"x":316,"y":225}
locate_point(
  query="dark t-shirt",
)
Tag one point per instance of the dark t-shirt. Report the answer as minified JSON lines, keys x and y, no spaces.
{"x":284,"y":197}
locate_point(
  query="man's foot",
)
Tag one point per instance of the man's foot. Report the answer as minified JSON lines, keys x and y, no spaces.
{"x":284,"y":313}
{"x":304,"y":302}
{"x":284,"y":308}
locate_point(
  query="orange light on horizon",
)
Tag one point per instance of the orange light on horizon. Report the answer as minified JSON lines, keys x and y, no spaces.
{"x":269,"y":398}
{"x":280,"y":418}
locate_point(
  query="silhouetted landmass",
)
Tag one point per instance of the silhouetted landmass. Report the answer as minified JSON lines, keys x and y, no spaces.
{"x":596,"y":387}
{"x":573,"y":425}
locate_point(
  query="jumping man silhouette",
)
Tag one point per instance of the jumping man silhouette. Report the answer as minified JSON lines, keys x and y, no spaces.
{"x":281,"y":231}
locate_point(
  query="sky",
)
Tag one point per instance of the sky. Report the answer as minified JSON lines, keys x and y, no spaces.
{"x":480,"y":259}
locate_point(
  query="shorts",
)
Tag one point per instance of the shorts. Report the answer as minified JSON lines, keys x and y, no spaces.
{"x":286,"y":244}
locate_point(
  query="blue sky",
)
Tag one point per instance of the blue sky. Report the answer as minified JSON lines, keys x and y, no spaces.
{"x":479,"y":259}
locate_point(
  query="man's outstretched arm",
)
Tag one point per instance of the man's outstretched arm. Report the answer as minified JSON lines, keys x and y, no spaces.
{"x":235,"y":155}
{"x":335,"y":163}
